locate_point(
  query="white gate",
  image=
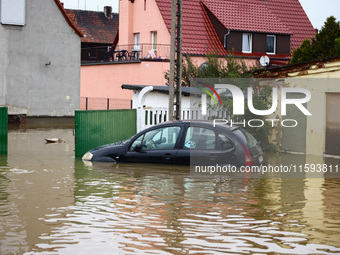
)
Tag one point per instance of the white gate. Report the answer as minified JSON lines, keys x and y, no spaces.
{"x":148,"y":116}
{"x":154,"y":115}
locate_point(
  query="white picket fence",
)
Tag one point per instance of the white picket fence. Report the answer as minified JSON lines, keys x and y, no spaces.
{"x":154,"y":115}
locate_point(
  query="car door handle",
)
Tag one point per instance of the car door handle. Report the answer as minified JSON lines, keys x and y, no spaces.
{"x":212,"y":156}
{"x":168,"y":156}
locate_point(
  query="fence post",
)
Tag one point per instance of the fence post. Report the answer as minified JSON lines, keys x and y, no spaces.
{"x":3,"y":130}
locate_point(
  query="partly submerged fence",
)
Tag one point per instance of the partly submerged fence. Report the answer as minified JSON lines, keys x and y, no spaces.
{"x":3,"y":130}
{"x":95,"y":128}
{"x":100,"y":103}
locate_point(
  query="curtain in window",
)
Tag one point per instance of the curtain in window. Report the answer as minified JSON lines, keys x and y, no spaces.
{"x":136,"y":47}
{"x":246,"y":43}
{"x":270,"y":44}
{"x":154,"y":40}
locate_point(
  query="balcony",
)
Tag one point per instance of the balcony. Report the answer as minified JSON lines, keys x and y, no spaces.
{"x":125,"y":53}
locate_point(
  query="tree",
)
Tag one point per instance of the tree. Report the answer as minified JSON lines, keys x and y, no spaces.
{"x":303,"y":53}
{"x":337,"y":46}
{"x":325,"y":44}
{"x":213,"y":67}
{"x":238,"y":74}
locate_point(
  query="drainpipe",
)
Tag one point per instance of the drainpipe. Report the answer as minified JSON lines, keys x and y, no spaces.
{"x":141,"y":99}
{"x":225,"y":39}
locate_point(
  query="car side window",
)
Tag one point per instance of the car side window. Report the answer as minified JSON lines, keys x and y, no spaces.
{"x":160,"y":139}
{"x":200,"y":138}
{"x":136,"y":142}
{"x":225,"y":142}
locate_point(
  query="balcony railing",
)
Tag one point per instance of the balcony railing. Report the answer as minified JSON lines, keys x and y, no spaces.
{"x":127,"y":53}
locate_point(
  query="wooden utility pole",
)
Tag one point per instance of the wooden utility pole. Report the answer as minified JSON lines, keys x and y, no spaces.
{"x":175,"y":61}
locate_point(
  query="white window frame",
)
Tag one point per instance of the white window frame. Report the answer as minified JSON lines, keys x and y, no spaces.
{"x":137,"y":41}
{"x":154,"y":40}
{"x":13,"y":12}
{"x":247,"y":43}
{"x":272,"y":53}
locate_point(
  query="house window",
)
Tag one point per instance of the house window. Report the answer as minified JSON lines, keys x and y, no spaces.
{"x":154,"y":40}
{"x":246,"y":42}
{"x":136,"y":47}
{"x":270,"y":44}
{"x":13,"y":12}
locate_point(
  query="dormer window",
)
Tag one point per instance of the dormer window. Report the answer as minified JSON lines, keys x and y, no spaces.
{"x":246,"y":42}
{"x":271,"y":44}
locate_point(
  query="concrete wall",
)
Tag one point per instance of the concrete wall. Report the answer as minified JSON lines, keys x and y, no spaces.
{"x":3,"y":63}
{"x":319,"y":81}
{"x":105,"y":81}
{"x":40,"y":63}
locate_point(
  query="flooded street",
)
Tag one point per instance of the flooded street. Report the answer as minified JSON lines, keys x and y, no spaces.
{"x":53,"y":203}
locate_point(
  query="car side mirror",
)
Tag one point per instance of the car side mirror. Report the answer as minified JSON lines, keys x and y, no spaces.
{"x":138,"y":147}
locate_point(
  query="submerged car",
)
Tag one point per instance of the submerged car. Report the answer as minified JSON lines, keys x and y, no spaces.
{"x":184,"y":143}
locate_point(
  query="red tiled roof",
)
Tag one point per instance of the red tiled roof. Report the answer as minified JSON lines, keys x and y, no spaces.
{"x":95,"y":26}
{"x":252,"y":16}
{"x":67,"y":18}
{"x":270,"y":16}
{"x":292,"y":14}
{"x":198,"y":34}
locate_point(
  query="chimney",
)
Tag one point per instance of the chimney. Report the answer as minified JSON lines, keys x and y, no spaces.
{"x":108,"y":11}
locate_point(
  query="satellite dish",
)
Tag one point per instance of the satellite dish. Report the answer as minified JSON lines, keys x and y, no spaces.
{"x":264,"y":60}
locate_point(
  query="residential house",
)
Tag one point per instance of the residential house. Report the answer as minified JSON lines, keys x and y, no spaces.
{"x":100,"y":31}
{"x":246,"y":29}
{"x":318,"y":134}
{"x":39,"y":59}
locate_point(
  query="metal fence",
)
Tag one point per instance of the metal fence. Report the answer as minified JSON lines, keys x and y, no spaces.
{"x":129,"y":52}
{"x":95,"y":128}
{"x":99,"y":103}
{"x":3,"y":130}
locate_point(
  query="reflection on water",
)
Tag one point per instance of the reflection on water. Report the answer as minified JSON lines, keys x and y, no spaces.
{"x":52,"y":203}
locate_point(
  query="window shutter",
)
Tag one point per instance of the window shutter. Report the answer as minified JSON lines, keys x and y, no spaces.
{"x":13,"y":12}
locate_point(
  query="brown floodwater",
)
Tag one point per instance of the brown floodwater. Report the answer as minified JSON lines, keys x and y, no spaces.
{"x":53,"y":203}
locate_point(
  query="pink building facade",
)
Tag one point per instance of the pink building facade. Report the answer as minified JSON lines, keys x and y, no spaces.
{"x":144,"y":35}
{"x":140,"y":26}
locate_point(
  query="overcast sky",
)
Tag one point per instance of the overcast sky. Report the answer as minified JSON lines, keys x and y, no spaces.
{"x":317,"y":10}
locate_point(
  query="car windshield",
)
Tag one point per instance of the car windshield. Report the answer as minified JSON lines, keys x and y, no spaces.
{"x":246,"y":137}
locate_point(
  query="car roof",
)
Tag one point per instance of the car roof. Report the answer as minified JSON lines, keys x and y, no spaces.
{"x":206,"y":123}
